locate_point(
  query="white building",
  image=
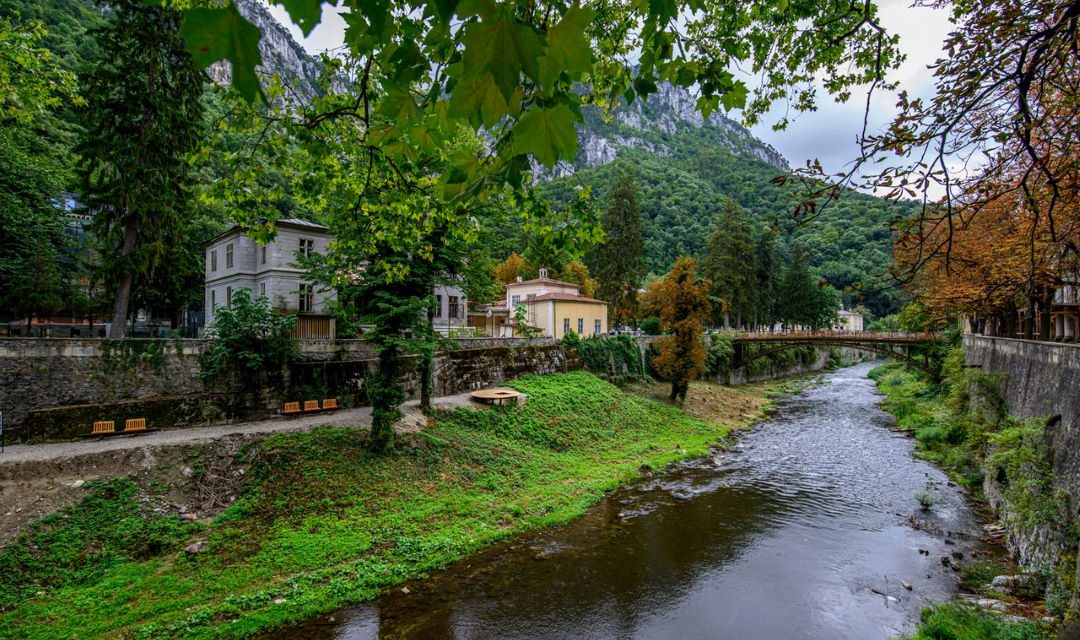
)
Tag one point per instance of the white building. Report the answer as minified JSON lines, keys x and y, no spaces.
{"x":847,"y":320}
{"x":234,"y":261}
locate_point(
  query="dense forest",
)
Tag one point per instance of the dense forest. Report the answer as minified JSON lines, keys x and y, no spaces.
{"x":682,"y":193}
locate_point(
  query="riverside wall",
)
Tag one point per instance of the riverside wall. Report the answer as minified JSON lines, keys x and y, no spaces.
{"x":1039,"y":380}
{"x":53,"y":388}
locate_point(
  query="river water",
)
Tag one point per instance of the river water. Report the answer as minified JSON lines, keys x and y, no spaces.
{"x":807,"y":528}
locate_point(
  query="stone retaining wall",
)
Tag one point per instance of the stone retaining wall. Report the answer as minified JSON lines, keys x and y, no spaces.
{"x":55,"y":387}
{"x":1038,"y":380}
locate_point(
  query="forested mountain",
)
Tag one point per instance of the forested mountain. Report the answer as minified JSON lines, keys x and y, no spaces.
{"x":684,"y":167}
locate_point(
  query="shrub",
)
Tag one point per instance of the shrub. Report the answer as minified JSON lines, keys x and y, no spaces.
{"x":616,"y":359}
{"x":248,"y":338}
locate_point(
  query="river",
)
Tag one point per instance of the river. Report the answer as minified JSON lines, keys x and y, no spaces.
{"x":806,"y":528}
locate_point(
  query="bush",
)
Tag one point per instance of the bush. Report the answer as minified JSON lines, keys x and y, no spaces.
{"x":616,"y":359}
{"x":248,"y":338}
{"x":571,"y":339}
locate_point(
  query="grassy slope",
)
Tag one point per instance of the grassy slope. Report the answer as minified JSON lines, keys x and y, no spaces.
{"x":324,"y":524}
{"x":947,"y":439}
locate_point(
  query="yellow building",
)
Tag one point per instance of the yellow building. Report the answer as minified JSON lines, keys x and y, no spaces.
{"x":554,"y":308}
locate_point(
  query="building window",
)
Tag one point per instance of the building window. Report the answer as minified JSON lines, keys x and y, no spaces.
{"x":263,"y":250}
{"x":515,"y":301}
{"x":262,"y":289}
{"x":596,"y":327}
{"x":455,"y":311}
{"x":438,"y":306}
{"x":580,"y":326}
{"x":229,"y":256}
{"x":213,"y":260}
{"x":565,"y":326}
{"x":307,"y":298}
{"x":213,"y":299}
{"x":228,"y":297}
{"x":307,"y":246}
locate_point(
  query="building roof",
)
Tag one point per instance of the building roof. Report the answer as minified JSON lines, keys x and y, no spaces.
{"x":284,"y":222}
{"x":544,"y":281}
{"x":848,"y":312}
{"x":569,"y":297}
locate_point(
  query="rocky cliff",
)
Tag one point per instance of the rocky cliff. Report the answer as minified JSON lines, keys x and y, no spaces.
{"x":281,"y":54}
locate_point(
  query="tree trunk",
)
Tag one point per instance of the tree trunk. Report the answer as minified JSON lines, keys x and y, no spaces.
{"x":386,"y":396}
{"x":127,"y":279}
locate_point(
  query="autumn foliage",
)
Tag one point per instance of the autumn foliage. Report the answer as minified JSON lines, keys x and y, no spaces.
{"x":681,"y":301}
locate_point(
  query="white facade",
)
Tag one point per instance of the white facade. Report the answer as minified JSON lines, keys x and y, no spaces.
{"x":451,"y":309}
{"x":234,"y":261}
{"x":847,"y":320}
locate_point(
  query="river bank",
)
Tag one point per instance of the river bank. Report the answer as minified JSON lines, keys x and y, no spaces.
{"x":808,"y":526}
{"x":959,"y":424}
{"x":319,"y":524}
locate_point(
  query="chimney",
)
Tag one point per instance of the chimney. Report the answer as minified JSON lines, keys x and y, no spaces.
{"x":519,"y":278}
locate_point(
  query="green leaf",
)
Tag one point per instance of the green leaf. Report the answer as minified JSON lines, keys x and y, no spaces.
{"x":479,"y":100}
{"x":224,"y":34}
{"x":548,"y":134}
{"x":567,"y":48}
{"x":444,"y":9}
{"x":735,"y":96}
{"x":503,"y":47}
{"x":305,"y":13}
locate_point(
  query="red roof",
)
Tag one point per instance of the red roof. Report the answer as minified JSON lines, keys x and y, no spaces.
{"x":545,"y":281}
{"x":569,"y":297}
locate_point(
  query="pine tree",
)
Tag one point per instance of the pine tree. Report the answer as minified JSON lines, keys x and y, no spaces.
{"x":766,"y":278}
{"x":728,"y":262}
{"x":144,"y":116}
{"x":619,"y":263}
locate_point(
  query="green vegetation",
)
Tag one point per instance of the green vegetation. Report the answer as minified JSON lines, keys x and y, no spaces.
{"x":954,"y":621}
{"x":961,"y":424}
{"x":82,"y":544}
{"x":249,"y":339}
{"x":848,"y":243}
{"x":617,"y":359}
{"x":324,"y":522}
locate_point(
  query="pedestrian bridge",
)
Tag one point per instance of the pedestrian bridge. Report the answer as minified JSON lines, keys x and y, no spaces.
{"x":915,"y":348}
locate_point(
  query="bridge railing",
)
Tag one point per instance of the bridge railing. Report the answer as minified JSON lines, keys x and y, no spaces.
{"x":906,"y":336}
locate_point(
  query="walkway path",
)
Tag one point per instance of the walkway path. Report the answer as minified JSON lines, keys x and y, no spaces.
{"x":360,"y":416}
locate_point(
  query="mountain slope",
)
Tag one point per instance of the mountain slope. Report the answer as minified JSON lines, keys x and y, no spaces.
{"x":684,"y":167}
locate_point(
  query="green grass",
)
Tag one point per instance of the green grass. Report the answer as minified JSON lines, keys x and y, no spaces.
{"x":924,"y":409}
{"x":325,"y":524}
{"x":954,"y":621}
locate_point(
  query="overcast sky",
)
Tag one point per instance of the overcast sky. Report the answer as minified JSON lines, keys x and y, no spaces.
{"x":827,"y":134}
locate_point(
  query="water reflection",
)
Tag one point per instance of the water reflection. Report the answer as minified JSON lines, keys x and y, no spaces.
{"x":801,"y":531}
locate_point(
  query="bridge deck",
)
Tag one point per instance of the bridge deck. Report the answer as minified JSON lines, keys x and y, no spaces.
{"x":849,"y":337}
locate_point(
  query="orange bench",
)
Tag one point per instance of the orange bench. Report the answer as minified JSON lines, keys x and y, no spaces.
{"x":292,"y":407}
{"x":133,"y":425}
{"x":104,"y":428}
{"x":329,"y":404}
{"x":311,"y":406}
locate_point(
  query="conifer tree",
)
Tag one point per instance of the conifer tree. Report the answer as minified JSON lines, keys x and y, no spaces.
{"x":143,"y":117}
{"x":766,"y":276}
{"x":728,"y":262}
{"x":618,"y":264}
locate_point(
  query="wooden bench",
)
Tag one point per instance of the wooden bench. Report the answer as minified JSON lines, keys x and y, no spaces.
{"x":104,"y":428}
{"x":311,"y":406}
{"x":329,"y":404}
{"x":134,"y":425}
{"x":291,"y":408}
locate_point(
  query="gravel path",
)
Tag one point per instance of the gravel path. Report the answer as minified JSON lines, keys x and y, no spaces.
{"x":360,"y":416}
